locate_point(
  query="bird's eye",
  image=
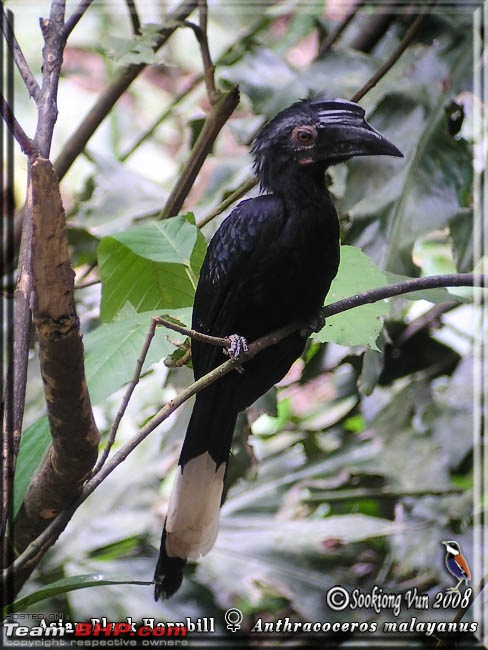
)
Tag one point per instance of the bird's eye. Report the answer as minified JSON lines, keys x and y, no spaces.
{"x":304,"y":135}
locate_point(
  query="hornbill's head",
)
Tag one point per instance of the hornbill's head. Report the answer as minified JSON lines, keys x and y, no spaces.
{"x":316,"y":133}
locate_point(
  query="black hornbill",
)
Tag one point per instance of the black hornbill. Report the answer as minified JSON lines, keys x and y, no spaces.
{"x":270,"y":263}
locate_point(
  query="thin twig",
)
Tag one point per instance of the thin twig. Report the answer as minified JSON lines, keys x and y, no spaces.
{"x":75,"y":18}
{"x":79,"y":281}
{"x":20,"y":61}
{"x":214,"y":122}
{"x":39,"y":546}
{"x":408,"y":286}
{"x":427,"y":320}
{"x":164,"y":115}
{"x":234,"y":196}
{"x":396,"y":54}
{"x":193,"y":334}
{"x":208,"y":66}
{"x":340,"y":29}
{"x":128,"y":394}
{"x":134,"y":16}
{"x":200,"y":32}
{"x":27,"y":145}
{"x":223,"y":105}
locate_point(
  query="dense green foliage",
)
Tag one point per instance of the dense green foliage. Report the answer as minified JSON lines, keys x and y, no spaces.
{"x":361,"y":462}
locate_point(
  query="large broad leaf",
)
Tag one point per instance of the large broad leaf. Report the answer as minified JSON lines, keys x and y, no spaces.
{"x":116,"y":196}
{"x":113,"y":348}
{"x":361,"y":326}
{"x":33,"y":444}
{"x":153,"y":266}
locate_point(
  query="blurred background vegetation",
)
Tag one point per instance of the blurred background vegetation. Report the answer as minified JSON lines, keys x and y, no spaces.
{"x":355,"y":468}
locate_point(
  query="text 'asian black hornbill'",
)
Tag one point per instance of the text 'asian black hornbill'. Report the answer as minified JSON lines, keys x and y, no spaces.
{"x":270,"y":263}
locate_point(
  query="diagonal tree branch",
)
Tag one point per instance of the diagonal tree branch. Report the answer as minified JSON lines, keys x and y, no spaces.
{"x":220,"y":113}
{"x":396,"y":54}
{"x":256,"y":28}
{"x":334,"y":36}
{"x":22,"y":567}
{"x":134,"y":16}
{"x":75,"y":17}
{"x":26,"y":145}
{"x":223,"y":105}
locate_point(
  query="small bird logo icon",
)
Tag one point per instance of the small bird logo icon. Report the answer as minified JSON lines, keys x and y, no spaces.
{"x":456,"y":564}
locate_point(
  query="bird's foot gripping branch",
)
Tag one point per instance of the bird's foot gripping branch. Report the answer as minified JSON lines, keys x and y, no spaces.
{"x":237,"y":350}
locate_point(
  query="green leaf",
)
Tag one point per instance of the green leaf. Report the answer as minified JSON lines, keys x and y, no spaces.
{"x":461,"y":232}
{"x":115,"y":196}
{"x":83,"y":246}
{"x":154,"y":266}
{"x":356,"y":273}
{"x":113,"y":348}
{"x":64,"y":585}
{"x":137,"y":48}
{"x":33,"y":444}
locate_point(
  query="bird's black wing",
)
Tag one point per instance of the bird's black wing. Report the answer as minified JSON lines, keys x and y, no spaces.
{"x":230,"y":292}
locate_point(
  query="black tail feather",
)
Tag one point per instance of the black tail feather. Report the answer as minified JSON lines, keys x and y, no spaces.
{"x":169,"y":573}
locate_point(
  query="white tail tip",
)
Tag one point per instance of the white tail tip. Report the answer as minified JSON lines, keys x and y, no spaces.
{"x":192,"y":522}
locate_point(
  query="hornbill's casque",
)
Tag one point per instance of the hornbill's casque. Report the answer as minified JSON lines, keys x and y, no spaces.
{"x":270,"y":263}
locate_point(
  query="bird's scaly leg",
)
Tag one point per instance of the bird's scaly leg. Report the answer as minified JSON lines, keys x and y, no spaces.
{"x":237,"y":350}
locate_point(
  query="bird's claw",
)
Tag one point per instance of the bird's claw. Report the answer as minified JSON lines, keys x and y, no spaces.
{"x":452,"y":590}
{"x":237,"y":349}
